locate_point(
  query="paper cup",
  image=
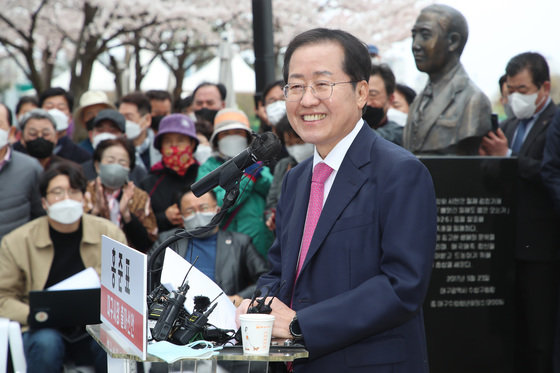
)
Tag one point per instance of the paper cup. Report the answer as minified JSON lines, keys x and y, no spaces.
{"x":256,"y":331}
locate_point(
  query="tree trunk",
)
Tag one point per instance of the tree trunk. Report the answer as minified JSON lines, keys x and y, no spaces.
{"x":118,"y":72}
{"x":48,"y":68}
{"x":79,"y":82}
{"x":179,"y":75}
{"x":33,"y":74}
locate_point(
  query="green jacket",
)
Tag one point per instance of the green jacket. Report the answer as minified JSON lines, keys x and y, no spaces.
{"x":247,"y":215}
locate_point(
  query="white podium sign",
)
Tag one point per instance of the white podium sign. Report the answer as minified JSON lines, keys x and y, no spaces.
{"x":123,"y":292}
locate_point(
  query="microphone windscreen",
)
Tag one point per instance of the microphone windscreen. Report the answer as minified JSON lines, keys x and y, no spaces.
{"x":266,"y":146}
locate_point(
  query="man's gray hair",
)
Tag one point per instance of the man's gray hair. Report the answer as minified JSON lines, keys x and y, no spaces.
{"x":36,"y":114}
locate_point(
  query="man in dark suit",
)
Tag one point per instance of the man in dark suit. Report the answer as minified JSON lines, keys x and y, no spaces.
{"x":537,"y":235}
{"x":353,"y":289}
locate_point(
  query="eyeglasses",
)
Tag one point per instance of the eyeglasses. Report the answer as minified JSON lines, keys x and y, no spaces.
{"x":200,"y":208}
{"x":59,"y":193}
{"x":321,"y":89}
{"x":45,"y":133}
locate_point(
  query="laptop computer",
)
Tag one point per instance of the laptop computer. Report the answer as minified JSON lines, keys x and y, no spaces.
{"x":64,"y":308}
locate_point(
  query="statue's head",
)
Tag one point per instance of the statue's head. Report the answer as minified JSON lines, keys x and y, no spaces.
{"x":438,"y":37}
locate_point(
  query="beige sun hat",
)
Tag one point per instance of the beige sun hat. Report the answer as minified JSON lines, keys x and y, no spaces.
{"x":90,"y":98}
{"x":229,"y":119}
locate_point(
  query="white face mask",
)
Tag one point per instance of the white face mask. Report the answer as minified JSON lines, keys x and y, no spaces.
{"x":397,"y":116}
{"x":202,"y":153}
{"x":100,"y":137}
{"x":60,"y":118}
{"x":523,"y":106}
{"x":132,"y":129}
{"x":3,"y":138}
{"x":232,"y":145}
{"x":66,"y":211}
{"x":275,"y":112}
{"x":300,"y":152}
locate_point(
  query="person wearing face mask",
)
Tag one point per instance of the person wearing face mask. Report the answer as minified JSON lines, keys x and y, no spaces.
{"x":537,"y":236}
{"x":298,"y":151}
{"x":112,"y":196}
{"x":270,"y":109}
{"x":381,"y":92}
{"x":402,"y":99}
{"x":228,"y":258}
{"x":109,"y":124}
{"x":136,"y":108}
{"x":274,"y":103}
{"x":208,"y":98}
{"x":59,"y":102}
{"x":177,"y":141}
{"x":91,"y":103}
{"x":39,"y":137}
{"x":19,"y":175}
{"x":65,"y":147}
{"x":46,"y":251}
{"x":232,"y":135}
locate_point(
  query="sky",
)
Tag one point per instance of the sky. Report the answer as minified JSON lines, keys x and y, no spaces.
{"x":498,"y":30}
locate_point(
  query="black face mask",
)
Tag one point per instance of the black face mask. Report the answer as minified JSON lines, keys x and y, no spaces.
{"x":39,"y":148}
{"x":206,"y":114}
{"x":373,"y":116}
{"x":89,"y":124}
{"x":155,"y":122}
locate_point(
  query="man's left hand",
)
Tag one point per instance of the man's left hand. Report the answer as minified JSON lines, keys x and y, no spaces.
{"x":494,"y":143}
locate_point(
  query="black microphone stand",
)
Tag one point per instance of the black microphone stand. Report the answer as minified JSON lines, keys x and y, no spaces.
{"x":232,"y":192}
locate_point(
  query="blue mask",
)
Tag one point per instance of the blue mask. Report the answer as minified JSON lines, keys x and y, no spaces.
{"x":171,"y":352}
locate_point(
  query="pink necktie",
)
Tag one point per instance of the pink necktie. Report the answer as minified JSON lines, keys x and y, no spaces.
{"x":321,"y":173}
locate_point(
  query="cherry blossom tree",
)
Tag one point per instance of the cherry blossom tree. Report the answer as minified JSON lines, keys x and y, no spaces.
{"x":41,"y":36}
{"x":29,"y":40}
{"x":378,"y":22}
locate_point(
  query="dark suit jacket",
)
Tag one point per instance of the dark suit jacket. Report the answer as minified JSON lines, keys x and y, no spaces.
{"x":538,"y":233}
{"x":551,"y":160}
{"x":238,"y":264}
{"x":359,"y":293}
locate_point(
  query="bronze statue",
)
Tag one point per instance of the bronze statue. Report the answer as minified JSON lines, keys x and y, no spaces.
{"x":451,"y":114}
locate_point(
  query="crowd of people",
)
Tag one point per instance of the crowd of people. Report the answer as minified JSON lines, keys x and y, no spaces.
{"x":70,"y":173}
{"x":121,"y":169}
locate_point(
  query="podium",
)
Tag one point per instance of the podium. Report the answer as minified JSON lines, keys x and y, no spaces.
{"x":121,"y":359}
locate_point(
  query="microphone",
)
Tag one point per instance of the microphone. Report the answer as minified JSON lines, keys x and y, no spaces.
{"x":265,"y":147}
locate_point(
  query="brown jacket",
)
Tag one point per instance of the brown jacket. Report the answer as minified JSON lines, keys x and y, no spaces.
{"x":139,"y":206}
{"x":26,"y":255}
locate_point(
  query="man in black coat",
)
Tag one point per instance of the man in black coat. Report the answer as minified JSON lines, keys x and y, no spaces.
{"x":537,"y":241}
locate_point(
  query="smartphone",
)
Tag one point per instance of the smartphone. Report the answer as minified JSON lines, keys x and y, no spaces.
{"x":494,"y":120}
